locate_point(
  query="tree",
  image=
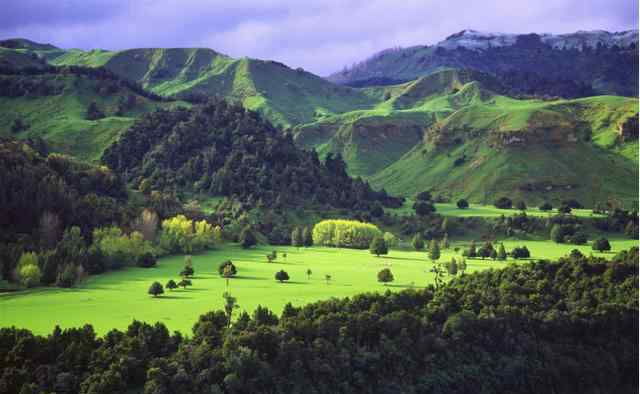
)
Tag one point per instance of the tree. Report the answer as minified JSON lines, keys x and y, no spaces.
{"x":485,"y":250}
{"x":423,"y":208}
{"x":307,"y":238}
{"x":187,"y":271}
{"x":327,"y":278}
{"x":546,"y":207}
{"x":521,"y":206}
{"x":557,"y":233}
{"x":462,"y":265}
{"x":564,"y":209}
{"x":462,"y":204}
{"x":378,"y":246}
{"x":156,"y":289}
{"x":147,"y":224}
{"x":445,"y":241}
{"x":434,"y":250}
{"x":309,"y":273}
{"x":520,"y":253}
{"x":493,"y":254}
{"x":390,"y":240}
{"x":184,"y":283}
{"x":227,"y":263}
{"x":471,"y":252}
{"x":423,"y":196}
{"x":171,"y":284}
{"x":296,"y":237}
{"x":230,"y":303}
{"x":601,"y":245}
{"x":503,"y":203}
{"x":385,"y":276}
{"x":282,"y":276}
{"x":28,"y":270}
{"x":247,"y":238}
{"x":93,"y":112}
{"x":452,"y":267}
{"x":49,"y":229}
{"x":417,"y":242}
{"x":502,"y":253}
{"x":572,"y":203}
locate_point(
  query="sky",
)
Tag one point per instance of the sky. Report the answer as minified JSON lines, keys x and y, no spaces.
{"x":322,"y":36}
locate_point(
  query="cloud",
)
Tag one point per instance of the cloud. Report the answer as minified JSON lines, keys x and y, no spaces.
{"x":320,"y":36}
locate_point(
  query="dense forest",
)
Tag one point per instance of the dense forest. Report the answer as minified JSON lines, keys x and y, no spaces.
{"x":223,"y":149}
{"x":565,"y":327}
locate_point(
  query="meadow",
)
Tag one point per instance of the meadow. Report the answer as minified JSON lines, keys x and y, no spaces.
{"x":114,"y":299}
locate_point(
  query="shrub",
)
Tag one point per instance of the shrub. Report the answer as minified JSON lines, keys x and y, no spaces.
{"x":424,"y":208}
{"x":503,"y":203}
{"x":462,"y":204}
{"x":28,"y":270}
{"x":227,"y":263}
{"x":282,"y":276}
{"x":385,"y":276}
{"x":546,"y":207}
{"x":378,"y":246}
{"x":247,"y":239}
{"x":601,"y":245}
{"x":521,"y":206}
{"x":390,"y":240}
{"x":417,"y":242}
{"x":345,"y":233}
{"x":520,"y":253}
{"x":155,"y":289}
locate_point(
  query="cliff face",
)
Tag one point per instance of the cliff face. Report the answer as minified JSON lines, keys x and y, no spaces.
{"x":628,"y":130}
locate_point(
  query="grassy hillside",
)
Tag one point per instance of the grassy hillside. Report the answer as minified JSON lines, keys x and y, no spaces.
{"x":60,"y":116}
{"x":285,"y":96}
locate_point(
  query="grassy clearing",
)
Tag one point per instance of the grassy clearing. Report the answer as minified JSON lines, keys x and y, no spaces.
{"x":489,"y":211}
{"x":115,"y":299}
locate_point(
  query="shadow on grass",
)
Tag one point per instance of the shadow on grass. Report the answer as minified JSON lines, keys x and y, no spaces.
{"x":247,"y":278}
{"x":401,"y":286}
{"x":171,"y":297}
{"x":404,"y":258}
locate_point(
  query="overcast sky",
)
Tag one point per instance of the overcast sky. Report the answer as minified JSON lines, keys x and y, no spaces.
{"x":320,"y":36}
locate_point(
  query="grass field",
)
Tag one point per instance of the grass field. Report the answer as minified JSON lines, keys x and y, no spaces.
{"x":114,"y":299}
{"x":479,"y":210}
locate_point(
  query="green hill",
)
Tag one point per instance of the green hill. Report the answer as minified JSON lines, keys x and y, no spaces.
{"x":53,"y":105}
{"x":285,"y":96}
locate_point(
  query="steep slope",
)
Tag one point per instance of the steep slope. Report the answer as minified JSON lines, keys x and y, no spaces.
{"x":532,"y":150}
{"x":285,"y":96}
{"x":571,"y":65}
{"x":225,"y":150}
{"x":53,"y":103}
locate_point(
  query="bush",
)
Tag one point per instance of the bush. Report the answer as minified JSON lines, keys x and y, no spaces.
{"x":520,"y":253}
{"x":462,"y":204}
{"x":345,"y":233}
{"x":282,"y":276}
{"x":390,"y":240}
{"x":146,"y":260}
{"x":231,"y":266}
{"x":385,"y":276}
{"x":378,"y":246}
{"x":503,"y":203}
{"x":417,"y":242}
{"x":546,"y":207}
{"x":155,"y":289}
{"x":601,"y":245}
{"x":247,"y":238}
{"x":521,"y":206}
{"x":423,"y":208}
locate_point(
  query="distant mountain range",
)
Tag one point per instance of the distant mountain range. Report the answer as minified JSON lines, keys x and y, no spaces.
{"x":580,"y":64}
{"x":478,"y":115}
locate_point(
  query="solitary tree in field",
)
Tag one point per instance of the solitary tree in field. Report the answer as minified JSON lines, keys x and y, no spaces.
{"x":309,"y":273}
{"x":187,"y":271}
{"x":171,"y":284}
{"x":385,"y":276}
{"x":184,"y":283}
{"x":502,"y":254}
{"x":601,"y":245}
{"x":230,"y":303}
{"x":378,"y":246}
{"x":228,"y":273}
{"x":156,"y":289}
{"x":327,"y":278}
{"x":282,"y":276}
{"x":296,"y":237}
{"x":462,"y":204}
{"x":417,"y":242}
